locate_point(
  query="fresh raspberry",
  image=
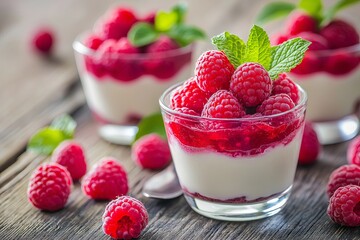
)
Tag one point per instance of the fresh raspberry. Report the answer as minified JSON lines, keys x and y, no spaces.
{"x":124,"y":218}
{"x":163,"y":44}
{"x":340,"y":34}
{"x":343,"y":176}
{"x":123,"y":45}
{"x":344,"y":206}
{"x":186,"y":110}
{"x":70,"y":154}
{"x":353,"y":151}
{"x":213,"y":71}
{"x":117,"y":24}
{"x":301,"y":22}
{"x":311,"y":63}
{"x":251,"y":84}
{"x":340,"y":63}
{"x":285,"y":85}
{"x":276,"y":104}
{"x":151,"y":152}
{"x":43,"y":41}
{"x":279,"y":38}
{"x":106,"y":180}
{"x":189,"y":95}
{"x":93,"y":42}
{"x":318,"y":42}
{"x":310,"y":146}
{"x":149,"y":18}
{"x":223,"y":104}
{"x":49,"y":187}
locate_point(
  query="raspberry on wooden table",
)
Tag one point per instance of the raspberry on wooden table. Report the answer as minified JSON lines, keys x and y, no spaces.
{"x":310,"y":146}
{"x":353,"y":151}
{"x":70,"y":154}
{"x":106,"y":181}
{"x":49,"y":187}
{"x":151,"y":152}
{"x":344,"y":206}
{"x":124,"y":218}
{"x":342,"y":176}
{"x":43,"y":41}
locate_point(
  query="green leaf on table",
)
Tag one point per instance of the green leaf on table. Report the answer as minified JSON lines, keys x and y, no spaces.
{"x":151,"y":124}
{"x":287,"y":55}
{"x":46,"y":140}
{"x":164,"y":21}
{"x":258,"y":47}
{"x":184,"y":34}
{"x":274,"y":11}
{"x":332,"y":11}
{"x":180,"y":9}
{"x":312,"y":7}
{"x":231,"y":45}
{"x":66,"y":124}
{"x":142,"y":34}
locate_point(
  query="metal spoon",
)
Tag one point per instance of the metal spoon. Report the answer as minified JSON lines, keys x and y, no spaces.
{"x":163,"y":185}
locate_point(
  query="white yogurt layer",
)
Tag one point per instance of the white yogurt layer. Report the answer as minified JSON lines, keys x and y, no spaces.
{"x":113,"y":100}
{"x":330,"y":97}
{"x":223,"y":177}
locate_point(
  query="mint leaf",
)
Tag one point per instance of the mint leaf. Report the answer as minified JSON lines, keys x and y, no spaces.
{"x":341,"y":4}
{"x":287,"y":56}
{"x":180,"y":10}
{"x":164,"y":21}
{"x":151,"y":124}
{"x":184,"y":34}
{"x":231,"y":45}
{"x":46,"y":140}
{"x":142,"y":34}
{"x":258,"y":47}
{"x":274,"y":11}
{"x":66,"y":124}
{"x":312,"y":7}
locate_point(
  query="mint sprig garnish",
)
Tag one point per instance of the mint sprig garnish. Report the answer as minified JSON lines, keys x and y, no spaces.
{"x":170,"y":23}
{"x":277,"y":59}
{"x":258,"y":47}
{"x":287,"y":55}
{"x":47,"y":139}
{"x":315,"y":8}
{"x":151,"y":124}
{"x":232,"y":46}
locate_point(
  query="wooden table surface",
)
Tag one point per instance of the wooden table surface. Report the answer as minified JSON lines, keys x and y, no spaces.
{"x":34,"y":90}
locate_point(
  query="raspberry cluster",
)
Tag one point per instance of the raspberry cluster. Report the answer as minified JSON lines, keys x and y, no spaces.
{"x":51,"y":183}
{"x":220,"y":91}
{"x":343,"y":189}
{"x":113,"y":55}
{"x":336,"y":36}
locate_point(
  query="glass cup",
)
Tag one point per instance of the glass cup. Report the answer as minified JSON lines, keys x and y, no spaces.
{"x":122,"y":88}
{"x":333,"y":87}
{"x":235,"y":169}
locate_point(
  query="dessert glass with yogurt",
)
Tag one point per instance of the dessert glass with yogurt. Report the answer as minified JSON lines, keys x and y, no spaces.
{"x":241,"y":170}
{"x":121,"y":88}
{"x":334,"y":93}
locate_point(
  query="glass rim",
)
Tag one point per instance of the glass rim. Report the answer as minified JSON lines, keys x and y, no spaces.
{"x":328,"y":52}
{"x":167,"y":109}
{"x":79,"y":47}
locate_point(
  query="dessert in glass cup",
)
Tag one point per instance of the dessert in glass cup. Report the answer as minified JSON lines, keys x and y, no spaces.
{"x":127,"y":62}
{"x":235,"y":128}
{"x":330,"y":71}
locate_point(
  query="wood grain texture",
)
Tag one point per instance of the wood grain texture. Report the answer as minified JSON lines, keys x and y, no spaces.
{"x":33,"y":91}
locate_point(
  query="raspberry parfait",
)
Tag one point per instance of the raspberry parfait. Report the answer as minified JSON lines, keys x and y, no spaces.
{"x":234,"y":139}
{"x":330,"y":71}
{"x":123,"y":70}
